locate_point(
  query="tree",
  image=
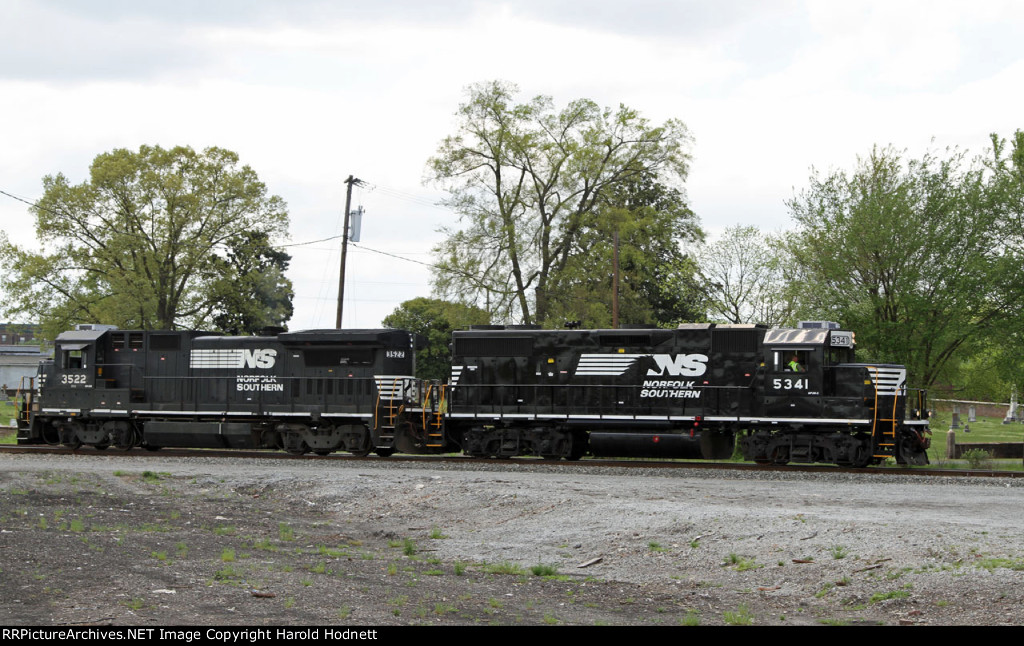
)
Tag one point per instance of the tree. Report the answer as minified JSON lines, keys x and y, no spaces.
{"x":657,"y":279}
{"x":152,"y":240}
{"x":747,"y":278}
{"x":908,"y":254}
{"x":253,"y":291}
{"x":434,"y":319}
{"x":526,"y":180}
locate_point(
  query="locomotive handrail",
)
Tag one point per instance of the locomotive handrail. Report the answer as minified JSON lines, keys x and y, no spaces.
{"x":187,"y":399}
{"x":475,"y":394}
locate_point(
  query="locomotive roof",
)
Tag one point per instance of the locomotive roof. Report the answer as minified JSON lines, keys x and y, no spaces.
{"x":791,"y":336}
{"x":331,"y":336}
{"x":80,"y":336}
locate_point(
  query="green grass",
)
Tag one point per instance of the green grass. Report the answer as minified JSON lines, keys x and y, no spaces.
{"x":741,"y":617}
{"x":285,"y":532}
{"x":503,"y":568}
{"x":543,"y":570}
{"x":986,"y":429}
{"x":409,"y":547}
{"x":7,"y":413}
{"x":885,"y":596}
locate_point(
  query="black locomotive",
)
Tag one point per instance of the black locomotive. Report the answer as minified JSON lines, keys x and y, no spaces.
{"x":787,"y":394}
{"x":790,"y":394}
{"x":319,"y":390}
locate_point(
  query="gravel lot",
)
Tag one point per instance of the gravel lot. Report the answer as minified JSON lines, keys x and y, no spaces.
{"x":153,"y":541}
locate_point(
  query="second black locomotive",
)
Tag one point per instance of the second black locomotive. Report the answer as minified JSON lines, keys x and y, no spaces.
{"x":789,"y":394}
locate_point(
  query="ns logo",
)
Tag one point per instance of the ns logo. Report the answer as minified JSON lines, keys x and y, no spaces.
{"x":259,"y":358}
{"x":681,"y":365}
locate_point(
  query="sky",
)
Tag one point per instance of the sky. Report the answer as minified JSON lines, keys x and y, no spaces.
{"x":309,"y":92}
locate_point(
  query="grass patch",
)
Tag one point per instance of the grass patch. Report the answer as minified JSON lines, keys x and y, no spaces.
{"x":285,"y":532}
{"x":409,"y":547}
{"x":503,"y":568}
{"x":741,"y":564}
{"x":227,"y":573}
{"x":436,"y":534}
{"x":741,"y":617}
{"x":994,"y":563}
{"x":885,"y":596}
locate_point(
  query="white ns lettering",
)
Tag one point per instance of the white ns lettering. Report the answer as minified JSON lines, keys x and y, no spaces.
{"x":689,"y":365}
{"x":259,"y":358}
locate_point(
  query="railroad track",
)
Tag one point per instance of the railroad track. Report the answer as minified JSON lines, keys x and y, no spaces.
{"x":87,"y":452}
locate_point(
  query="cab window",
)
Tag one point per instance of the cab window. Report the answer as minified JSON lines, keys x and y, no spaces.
{"x":790,"y":360}
{"x":73,"y":359}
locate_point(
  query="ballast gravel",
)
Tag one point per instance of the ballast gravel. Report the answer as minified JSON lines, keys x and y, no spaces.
{"x":144,"y":539}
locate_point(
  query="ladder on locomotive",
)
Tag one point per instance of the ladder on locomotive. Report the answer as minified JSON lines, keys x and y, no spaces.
{"x":433,"y":415}
{"x":883,"y":429}
{"x":390,"y":411}
{"x":23,"y":399}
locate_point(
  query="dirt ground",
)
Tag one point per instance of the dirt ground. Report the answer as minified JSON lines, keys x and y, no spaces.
{"x":99,"y":540}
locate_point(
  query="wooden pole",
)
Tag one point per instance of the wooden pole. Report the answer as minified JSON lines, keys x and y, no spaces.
{"x":344,"y":250}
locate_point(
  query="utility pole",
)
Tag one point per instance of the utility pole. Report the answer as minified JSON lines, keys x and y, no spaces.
{"x":344,"y":247}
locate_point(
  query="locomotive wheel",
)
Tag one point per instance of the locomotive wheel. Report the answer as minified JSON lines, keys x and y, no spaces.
{"x":862,"y":454}
{"x":74,"y":443}
{"x":780,"y":456}
{"x":366,"y":447}
{"x":102,"y":446}
{"x":125,"y":440}
{"x":911,"y":452}
{"x":385,"y":453}
{"x":323,"y":451}
{"x":69,"y":437}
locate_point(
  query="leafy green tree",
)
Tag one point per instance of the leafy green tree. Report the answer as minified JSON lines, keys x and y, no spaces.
{"x":434,"y":320}
{"x":908,"y":254}
{"x":748,"y":277}
{"x":147,"y":242}
{"x":526,"y":179}
{"x":657,"y":279}
{"x":980,"y":376}
{"x":1006,"y":166}
{"x":253,"y":291}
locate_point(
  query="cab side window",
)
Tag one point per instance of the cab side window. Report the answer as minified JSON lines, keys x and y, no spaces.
{"x":790,"y":360}
{"x":72,"y":359}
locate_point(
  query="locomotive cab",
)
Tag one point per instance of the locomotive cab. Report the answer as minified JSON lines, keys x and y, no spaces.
{"x":801,"y":368}
{"x":76,"y":358}
{"x":822,"y":406}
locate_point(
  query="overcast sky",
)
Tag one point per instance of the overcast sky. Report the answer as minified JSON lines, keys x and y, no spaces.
{"x":308,"y":92}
